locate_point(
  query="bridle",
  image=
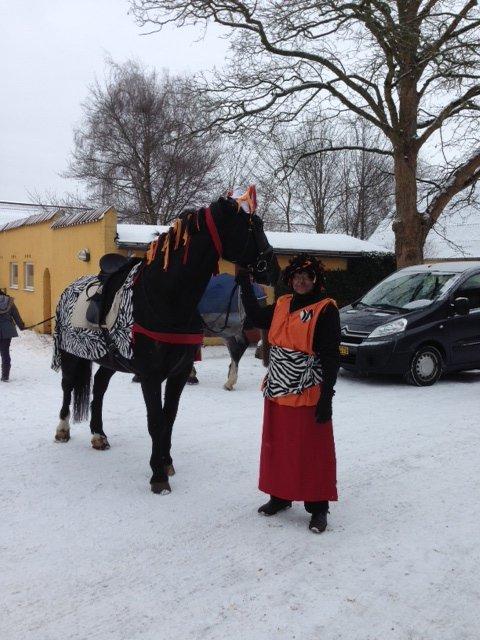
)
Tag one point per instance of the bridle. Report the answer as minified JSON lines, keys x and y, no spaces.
{"x":263,"y":257}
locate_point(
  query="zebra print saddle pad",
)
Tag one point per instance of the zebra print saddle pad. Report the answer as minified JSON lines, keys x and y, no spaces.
{"x":290,"y":372}
{"x":74,"y":335}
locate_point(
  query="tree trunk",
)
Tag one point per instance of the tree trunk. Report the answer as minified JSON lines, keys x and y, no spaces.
{"x":319,"y":224}
{"x":408,"y":226}
{"x":287,"y":212}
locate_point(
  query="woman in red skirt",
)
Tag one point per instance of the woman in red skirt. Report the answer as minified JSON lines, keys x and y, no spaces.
{"x":297,"y":460}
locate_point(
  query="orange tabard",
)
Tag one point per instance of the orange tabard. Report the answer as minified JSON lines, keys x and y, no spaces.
{"x":295,"y":331}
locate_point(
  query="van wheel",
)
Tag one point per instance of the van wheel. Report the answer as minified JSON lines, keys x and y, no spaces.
{"x":425,"y":368}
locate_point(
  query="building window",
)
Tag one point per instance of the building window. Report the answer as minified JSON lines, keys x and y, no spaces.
{"x":13,"y":275}
{"x":28,"y":274}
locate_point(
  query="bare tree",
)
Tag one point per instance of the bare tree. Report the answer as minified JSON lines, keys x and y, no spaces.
{"x":318,"y":177}
{"x":408,"y":67}
{"x":272,"y":153}
{"x":368,"y":185}
{"x":344,"y":191}
{"x":136,"y":148}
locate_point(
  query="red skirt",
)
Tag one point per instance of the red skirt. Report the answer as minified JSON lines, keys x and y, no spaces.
{"x":297,"y":460}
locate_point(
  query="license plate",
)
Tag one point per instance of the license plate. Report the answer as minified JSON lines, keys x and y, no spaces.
{"x":343,"y":350}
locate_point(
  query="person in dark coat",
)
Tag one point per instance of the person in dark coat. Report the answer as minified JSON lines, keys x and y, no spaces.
{"x":9,"y":321}
{"x":297,"y":460}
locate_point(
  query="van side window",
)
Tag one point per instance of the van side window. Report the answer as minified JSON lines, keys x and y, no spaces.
{"x":471,"y":290}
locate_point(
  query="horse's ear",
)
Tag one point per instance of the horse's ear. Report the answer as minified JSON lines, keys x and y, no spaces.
{"x":248,"y":200}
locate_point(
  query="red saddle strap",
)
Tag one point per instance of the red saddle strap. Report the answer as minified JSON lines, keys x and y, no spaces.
{"x":169,"y":338}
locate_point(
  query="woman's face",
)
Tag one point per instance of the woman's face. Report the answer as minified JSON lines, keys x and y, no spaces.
{"x":302,"y":282}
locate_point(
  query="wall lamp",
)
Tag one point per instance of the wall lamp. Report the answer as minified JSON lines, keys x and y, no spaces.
{"x":84,"y":255}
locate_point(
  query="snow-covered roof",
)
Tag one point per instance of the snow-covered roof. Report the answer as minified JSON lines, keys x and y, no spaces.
{"x":321,"y":243}
{"x":456,"y":236}
{"x":19,"y":214}
{"x":72,"y":218}
{"x":138,"y":234}
{"x":12,"y":212}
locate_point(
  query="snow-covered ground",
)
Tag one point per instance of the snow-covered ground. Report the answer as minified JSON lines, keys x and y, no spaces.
{"x":88,"y":552}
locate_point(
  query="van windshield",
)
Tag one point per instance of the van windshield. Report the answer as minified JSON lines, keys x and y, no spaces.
{"x":406,"y":291}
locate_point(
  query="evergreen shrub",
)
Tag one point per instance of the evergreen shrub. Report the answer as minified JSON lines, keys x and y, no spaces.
{"x":362,"y":274}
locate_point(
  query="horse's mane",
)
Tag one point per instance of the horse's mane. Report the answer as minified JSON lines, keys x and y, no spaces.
{"x":177,"y":236}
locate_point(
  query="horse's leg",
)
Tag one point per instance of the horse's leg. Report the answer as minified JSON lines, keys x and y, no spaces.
{"x":76,"y":374}
{"x":173,"y":390}
{"x":100,"y":385}
{"x":152,"y":393}
{"x":236,"y":348}
{"x":62,"y":433}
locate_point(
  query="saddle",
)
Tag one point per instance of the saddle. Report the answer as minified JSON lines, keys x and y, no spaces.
{"x":98,"y":307}
{"x":98,"y":304}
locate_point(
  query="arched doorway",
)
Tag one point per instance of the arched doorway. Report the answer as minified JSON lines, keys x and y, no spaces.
{"x":47,"y":302}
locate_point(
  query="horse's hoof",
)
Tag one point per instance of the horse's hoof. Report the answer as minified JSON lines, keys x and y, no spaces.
{"x":161,"y":488}
{"x":170,"y":470}
{"x":227,"y":387}
{"x":62,"y":436}
{"x":100,"y":443}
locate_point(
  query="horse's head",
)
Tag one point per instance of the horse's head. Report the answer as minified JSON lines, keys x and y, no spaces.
{"x":243,"y":238}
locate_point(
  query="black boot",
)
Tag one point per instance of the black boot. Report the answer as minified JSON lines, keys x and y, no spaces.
{"x":5,"y":372}
{"x":318,"y":522}
{"x":273,"y":506}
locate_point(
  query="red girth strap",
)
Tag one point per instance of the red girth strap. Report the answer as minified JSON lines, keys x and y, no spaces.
{"x":212,"y":229}
{"x":170,"y":338}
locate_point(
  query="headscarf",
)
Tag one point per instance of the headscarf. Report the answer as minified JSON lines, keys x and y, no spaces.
{"x":305,"y":263}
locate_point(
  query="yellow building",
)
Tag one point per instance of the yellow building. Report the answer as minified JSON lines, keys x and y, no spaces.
{"x":43,"y":253}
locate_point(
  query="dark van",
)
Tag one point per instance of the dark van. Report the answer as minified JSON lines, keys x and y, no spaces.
{"x":420,"y":322}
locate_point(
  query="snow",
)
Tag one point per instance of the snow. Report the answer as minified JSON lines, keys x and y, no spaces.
{"x":139,"y":233}
{"x":454,"y":237}
{"x":320,"y":242}
{"x":89,"y":552}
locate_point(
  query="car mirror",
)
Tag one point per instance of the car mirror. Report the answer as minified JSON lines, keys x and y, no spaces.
{"x":461,"y":306}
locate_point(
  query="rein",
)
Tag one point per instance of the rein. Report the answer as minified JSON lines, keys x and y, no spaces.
{"x":212,"y":230}
{"x":39,"y":323}
{"x":229,"y":308}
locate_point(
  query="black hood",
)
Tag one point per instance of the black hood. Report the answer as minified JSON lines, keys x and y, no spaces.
{"x":5,"y":303}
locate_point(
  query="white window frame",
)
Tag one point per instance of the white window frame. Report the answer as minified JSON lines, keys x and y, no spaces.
{"x":12,"y":284}
{"x":26,"y":286}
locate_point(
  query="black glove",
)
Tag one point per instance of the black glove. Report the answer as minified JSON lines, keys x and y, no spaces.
{"x":323,"y":410}
{"x":243,"y":277}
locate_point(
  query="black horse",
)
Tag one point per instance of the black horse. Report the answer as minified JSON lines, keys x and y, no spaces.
{"x":167,"y":328}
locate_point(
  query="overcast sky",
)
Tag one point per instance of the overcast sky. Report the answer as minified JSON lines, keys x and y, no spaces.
{"x":50,"y":52}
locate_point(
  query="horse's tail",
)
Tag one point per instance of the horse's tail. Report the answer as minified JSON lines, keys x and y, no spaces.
{"x":81,"y":390}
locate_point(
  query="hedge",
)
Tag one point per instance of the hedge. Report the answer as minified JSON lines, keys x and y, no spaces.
{"x":362,"y":274}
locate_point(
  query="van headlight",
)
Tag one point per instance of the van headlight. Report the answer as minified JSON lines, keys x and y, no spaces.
{"x":389,"y":329}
